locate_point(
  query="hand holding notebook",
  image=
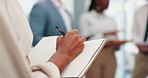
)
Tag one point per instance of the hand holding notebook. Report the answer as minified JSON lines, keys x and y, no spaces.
{"x":72,"y":49}
{"x":77,"y":67}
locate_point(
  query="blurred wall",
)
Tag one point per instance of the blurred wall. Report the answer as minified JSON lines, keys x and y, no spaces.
{"x":27,"y":5}
{"x":78,"y":10}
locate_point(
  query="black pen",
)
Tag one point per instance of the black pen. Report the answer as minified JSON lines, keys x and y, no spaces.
{"x":58,"y":28}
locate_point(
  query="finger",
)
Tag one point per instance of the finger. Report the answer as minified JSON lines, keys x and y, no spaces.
{"x":59,"y":37}
{"x":83,"y":39}
{"x":74,"y":31}
{"x":77,"y":35}
{"x":80,"y":38}
{"x":81,"y":48}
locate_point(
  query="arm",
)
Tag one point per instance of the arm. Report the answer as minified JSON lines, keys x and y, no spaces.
{"x":110,"y":33}
{"x":11,"y":52}
{"x":143,"y":48}
{"x":68,"y":47}
{"x":38,"y":22}
{"x":115,"y":44}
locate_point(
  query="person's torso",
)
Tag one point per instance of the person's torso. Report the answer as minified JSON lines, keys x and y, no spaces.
{"x":16,"y":39}
{"x":53,"y":19}
{"x":21,"y":26}
{"x":99,"y":23}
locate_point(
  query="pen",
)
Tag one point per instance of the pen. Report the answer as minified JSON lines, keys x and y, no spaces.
{"x":58,"y":28}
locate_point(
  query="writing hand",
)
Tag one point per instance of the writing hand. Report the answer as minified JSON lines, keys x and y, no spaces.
{"x":68,"y":47}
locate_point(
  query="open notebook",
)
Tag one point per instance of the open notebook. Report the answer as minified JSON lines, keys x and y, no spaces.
{"x":79,"y":66}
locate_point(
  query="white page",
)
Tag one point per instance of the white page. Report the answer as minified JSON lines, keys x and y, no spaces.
{"x":76,"y":67}
{"x":46,"y":48}
{"x":43,"y":50}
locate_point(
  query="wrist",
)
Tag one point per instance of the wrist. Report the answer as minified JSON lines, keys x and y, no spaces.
{"x":60,"y":60}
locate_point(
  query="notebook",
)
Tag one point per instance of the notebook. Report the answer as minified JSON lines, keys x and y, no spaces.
{"x":76,"y":68}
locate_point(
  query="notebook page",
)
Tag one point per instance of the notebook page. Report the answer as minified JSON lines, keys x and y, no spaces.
{"x":79,"y":64}
{"x":46,"y":48}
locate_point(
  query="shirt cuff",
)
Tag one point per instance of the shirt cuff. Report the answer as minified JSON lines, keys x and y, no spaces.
{"x":50,"y":69}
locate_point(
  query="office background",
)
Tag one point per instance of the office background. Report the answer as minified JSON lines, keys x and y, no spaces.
{"x":122,"y":11}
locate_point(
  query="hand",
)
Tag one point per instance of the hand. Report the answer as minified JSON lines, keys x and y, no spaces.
{"x":110,"y":33}
{"x":142,"y":48}
{"x":71,"y":44}
{"x":112,"y":44}
{"x":68,"y":47}
{"x":115,"y":44}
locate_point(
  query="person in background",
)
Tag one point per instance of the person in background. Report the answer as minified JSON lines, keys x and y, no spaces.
{"x":95,"y":24}
{"x":15,"y":43}
{"x":140,"y":38}
{"x":47,"y":14}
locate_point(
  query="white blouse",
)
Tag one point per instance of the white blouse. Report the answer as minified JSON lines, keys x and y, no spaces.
{"x":15,"y":43}
{"x":139,"y":24}
{"x":93,"y":23}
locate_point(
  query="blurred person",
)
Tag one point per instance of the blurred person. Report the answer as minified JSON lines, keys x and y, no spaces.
{"x":45,"y":15}
{"x":15,"y":43}
{"x":140,"y":34}
{"x":95,"y":24}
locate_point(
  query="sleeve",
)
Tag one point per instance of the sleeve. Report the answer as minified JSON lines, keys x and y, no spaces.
{"x":84,"y":26}
{"x":49,"y":69}
{"x":14,"y":66}
{"x":38,"y":22}
{"x":12,"y":63}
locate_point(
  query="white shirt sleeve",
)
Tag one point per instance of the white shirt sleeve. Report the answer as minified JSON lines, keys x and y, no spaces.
{"x":48,"y":68}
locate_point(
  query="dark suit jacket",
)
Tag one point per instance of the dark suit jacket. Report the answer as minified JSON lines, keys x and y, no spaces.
{"x":43,"y":19}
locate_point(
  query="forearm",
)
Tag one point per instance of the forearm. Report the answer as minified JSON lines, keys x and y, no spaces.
{"x":143,"y":48}
{"x":110,"y":33}
{"x":60,"y":60}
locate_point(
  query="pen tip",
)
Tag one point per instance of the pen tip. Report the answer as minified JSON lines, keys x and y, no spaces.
{"x":57,"y":27}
